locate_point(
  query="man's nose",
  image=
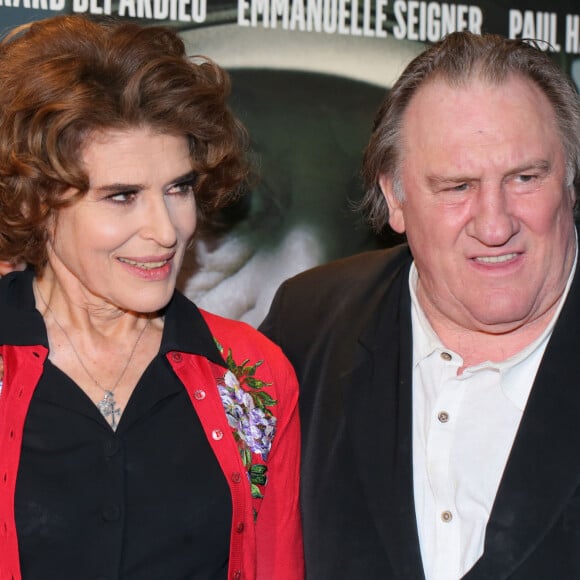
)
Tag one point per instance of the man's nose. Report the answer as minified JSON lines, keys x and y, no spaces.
{"x":493,"y":222}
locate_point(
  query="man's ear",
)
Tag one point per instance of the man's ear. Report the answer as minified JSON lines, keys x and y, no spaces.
{"x":396,"y":215}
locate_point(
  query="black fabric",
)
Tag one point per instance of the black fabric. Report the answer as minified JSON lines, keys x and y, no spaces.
{"x":346,"y":327}
{"x":338,"y":324}
{"x":146,"y":502}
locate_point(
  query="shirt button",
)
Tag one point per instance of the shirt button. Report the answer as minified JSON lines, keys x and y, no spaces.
{"x":446,"y":356}
{"x":199,"y":395}
{"x":176,"y":356}
{"x":217,"y":434}
{"x":446,"y":516}
{"x":111,"y":513}
{"x":443,"y":416}
{"x":111,"y":447}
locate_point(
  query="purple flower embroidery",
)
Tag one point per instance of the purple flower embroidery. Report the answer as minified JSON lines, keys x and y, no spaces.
{"x":253,"y":424}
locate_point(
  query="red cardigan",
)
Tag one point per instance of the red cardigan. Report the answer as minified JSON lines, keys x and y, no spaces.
{"x":266,"y":539}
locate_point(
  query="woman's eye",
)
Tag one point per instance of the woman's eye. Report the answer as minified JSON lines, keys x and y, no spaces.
{"x":185,"y":188}
{"x":123,"y":197}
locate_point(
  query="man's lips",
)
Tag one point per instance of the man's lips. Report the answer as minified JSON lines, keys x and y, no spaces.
{"x":496,"y":259}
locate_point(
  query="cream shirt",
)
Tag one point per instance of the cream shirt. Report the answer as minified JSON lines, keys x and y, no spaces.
{"x":463,"y":430}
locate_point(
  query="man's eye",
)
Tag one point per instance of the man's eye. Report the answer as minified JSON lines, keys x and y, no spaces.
{"x":460,"y":187}
{"x":526,"y":178}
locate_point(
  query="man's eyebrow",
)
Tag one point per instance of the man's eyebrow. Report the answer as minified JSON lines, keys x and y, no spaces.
{"x":440,"y":179}
{"x":537,"y":164}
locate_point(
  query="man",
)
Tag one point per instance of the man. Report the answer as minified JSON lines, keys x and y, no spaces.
{"x":441,"y":380}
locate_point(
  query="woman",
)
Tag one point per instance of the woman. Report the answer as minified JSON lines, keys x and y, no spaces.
{"x":140,"y":438}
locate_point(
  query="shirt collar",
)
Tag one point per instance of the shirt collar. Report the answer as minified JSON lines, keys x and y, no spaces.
{"x":185,"y":330}
{"x":20,"y":323}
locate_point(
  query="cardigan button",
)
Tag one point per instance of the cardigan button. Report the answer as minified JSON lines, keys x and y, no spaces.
{"x":237,"y":575}
{"x":176,"y":356}
{"x":111,"y":447}
{"x":111,"y":513}
{"x":199,"y":395}
{"x":236,"y":477}
{"x":217,"y":434}
{"x":240,"y":527}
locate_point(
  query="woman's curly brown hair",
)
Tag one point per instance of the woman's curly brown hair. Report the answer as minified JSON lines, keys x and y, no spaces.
{"x":67,"y":77}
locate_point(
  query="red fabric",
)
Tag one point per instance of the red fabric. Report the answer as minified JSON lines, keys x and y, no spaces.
{"x":269,"y":548}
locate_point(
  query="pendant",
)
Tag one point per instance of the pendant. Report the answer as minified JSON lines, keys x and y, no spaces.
{"x":109,"y":410}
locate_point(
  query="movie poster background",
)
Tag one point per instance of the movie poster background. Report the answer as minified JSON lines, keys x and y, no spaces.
{"x":307,"y":77}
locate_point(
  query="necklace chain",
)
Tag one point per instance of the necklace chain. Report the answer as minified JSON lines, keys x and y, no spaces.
{"x":107,"y":405}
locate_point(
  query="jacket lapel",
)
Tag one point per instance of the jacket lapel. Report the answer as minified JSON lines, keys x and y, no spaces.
{"x":379,"y":413}
{"x":543,"y":468}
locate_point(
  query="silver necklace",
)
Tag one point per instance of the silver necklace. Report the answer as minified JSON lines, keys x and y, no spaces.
{"x":107,"y":405}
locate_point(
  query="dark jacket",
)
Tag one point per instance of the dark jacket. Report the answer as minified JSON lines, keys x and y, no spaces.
{"x":346,"y":327}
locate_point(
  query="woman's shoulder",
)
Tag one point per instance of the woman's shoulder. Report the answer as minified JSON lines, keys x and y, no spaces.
{"x":243,"y":342}
{"x":238,"y":333}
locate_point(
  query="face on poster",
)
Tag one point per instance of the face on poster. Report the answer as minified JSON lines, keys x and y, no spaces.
{"x":307,"y":78}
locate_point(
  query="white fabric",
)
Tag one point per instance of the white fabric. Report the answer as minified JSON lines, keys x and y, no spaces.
{"x":458,"y":462}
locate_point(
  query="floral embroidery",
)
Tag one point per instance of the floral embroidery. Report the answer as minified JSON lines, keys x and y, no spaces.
{"x":253,"y":424}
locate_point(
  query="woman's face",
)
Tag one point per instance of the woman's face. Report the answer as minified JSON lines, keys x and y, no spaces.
{"x":122,"y":244}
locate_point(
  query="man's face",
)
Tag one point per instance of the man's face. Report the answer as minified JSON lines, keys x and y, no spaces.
{"x":487,"y":213}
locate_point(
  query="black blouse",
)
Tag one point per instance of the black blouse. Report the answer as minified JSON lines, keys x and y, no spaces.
{"x":147,"y":502}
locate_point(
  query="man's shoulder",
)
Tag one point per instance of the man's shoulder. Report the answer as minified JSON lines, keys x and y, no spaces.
{"x":337,"y":297}
{"x":352,"y":275}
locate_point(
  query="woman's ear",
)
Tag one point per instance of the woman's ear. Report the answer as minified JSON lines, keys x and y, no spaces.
{"x":395,"y":204}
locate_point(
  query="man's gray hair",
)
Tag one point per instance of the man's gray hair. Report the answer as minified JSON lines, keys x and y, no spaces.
{"x":457,"y":59}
